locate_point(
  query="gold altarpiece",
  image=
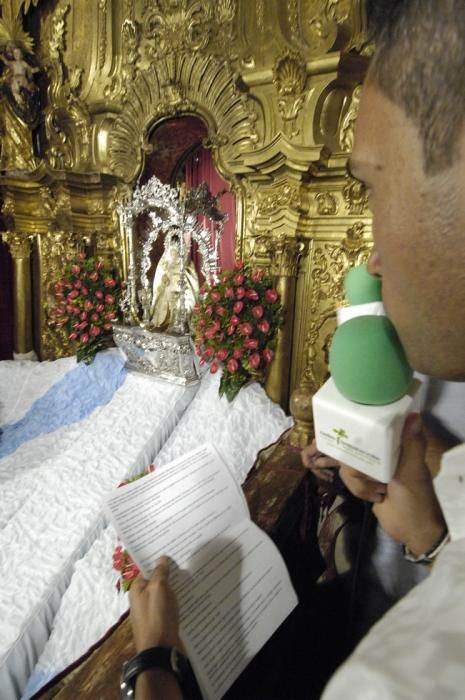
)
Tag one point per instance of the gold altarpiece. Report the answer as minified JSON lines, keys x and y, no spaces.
{"x":277,"y":84}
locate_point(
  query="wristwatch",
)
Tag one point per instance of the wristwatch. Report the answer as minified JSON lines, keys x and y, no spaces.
{"x":168,"y":658}
{"x":429,"y":556}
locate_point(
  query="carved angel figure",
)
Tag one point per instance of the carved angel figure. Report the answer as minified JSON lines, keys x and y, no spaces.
{"x":20,"y":80}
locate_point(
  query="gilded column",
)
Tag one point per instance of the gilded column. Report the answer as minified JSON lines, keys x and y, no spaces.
{"x":285,"y":254}
{"x":20,"y":249}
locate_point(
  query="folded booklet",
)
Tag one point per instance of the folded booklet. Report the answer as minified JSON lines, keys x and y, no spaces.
{"x":231,"y":582}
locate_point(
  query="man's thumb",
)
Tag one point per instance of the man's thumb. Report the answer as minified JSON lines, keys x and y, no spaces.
{"x":413,"y":446}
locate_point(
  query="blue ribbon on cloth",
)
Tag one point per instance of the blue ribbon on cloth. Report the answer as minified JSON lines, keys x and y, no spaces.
{"x":72,"y":398}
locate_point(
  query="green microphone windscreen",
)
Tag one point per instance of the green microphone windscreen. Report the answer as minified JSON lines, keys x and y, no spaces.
{"x":361,"y":287}
{"x":367,"y":361}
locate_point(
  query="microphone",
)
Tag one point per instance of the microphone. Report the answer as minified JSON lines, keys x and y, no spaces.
{"x":360,"y":411}
{"x":367,"y":361}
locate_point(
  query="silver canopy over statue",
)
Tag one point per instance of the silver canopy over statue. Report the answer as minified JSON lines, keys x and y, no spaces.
{"x":156,"y":335}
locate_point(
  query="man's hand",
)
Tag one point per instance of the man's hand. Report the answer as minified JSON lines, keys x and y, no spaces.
{"x":410,"y":511}
{"x":406,"y":507}
{"x":154,"y":610}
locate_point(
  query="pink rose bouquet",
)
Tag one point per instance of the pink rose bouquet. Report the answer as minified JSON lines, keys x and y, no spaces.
{"x":122,"y":560}
{"x":87,"y":298}
{"x":236,"y":323}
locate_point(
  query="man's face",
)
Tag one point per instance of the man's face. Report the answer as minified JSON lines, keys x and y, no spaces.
{"x":419,"y":235}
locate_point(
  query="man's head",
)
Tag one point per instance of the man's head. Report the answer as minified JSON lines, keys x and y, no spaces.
{"x":410,"y":152}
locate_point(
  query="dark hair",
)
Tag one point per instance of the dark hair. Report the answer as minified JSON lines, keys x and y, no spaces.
{"x":419,"y":63}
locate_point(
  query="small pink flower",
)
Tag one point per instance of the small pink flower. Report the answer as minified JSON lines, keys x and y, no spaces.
{"x":208,"y":353}
{"x":238,"y":279}
{"x":257,"y":275}
{"x":83,"y":316}
{"x":214,"y":367}
{"x":99,"y":308}
{"x":231,"y":329}
{"x":240,"y":293}
{"x":271,"y":295}
{"x":82,"y":325}
{"x":76,"y":310}
{"x":268,"y":355}
{"x":220,"y":310}
{"x":254,"y":360}
{"x":73,"y":294}
{"x":109,"y":299}
{"x":99,"y":265}
{"x":232,"y":366}
{"x":263,"y":326}
{"x":216,"y":296}
{"x":73,"y":335}
{"x":99,"y":294}
{"x":257,"y":311}
{"x":109,"y":282}
{"x":130,"y":572}
{"x":222,"y":354}
{"x":235,"y":320}
{"x":237,"y":354}
{"x":229,"y":292}
{"x":245,"y":328}
{"x":88,"y":306}
{"x":78,"y":284}
{"x":59,"y":295}
{"x":238,"y":306}
{"x":94,"y":331}
{"x":238,"y":265}
{"x":75,"y":269}
{"x":110,"y":315}
{"x":210,"y":333}
{"x":251,"y":294}
{"x":93,"y":276}
{"x":59,"y":286}
{"x":95,"y":318}
{"x":84,"y":291}
{"x":209,"y":310}
{"x":84,"y":338}
{"x":251,"y":343}
{"x":107,"y":326}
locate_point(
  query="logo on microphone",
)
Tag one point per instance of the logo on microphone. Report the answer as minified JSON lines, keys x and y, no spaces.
{"x":341,"y":433}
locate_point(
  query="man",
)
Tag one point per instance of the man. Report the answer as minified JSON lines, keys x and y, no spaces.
{"x":410,"y":152}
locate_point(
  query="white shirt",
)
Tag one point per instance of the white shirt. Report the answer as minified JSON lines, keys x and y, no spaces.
{"x":417,"y":650}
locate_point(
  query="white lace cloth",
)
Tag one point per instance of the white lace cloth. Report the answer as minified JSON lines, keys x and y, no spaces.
{"x":91,"y":604}
{"x":51,"y":491}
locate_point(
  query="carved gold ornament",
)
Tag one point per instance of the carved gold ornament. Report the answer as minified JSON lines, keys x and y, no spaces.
{"x":290,"y":77}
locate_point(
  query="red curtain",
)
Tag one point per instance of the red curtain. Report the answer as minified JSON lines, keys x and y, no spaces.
{"x":200,"y":168}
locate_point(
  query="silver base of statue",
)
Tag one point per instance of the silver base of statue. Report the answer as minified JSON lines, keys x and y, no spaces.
{"x":164,"y":356}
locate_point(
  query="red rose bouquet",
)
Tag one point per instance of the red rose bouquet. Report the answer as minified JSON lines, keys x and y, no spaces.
{"x":122,"y":560}
{"x":236,"y":323}
{"x":87,"y":305}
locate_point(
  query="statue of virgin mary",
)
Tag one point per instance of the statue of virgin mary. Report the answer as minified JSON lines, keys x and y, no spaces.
{"x":168,"y":312}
